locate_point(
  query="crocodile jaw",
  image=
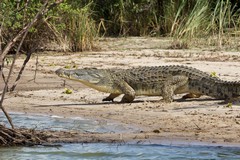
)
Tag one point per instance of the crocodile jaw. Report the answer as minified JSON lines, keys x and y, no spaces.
{"x":101,"y":88}
{"x":90,"y":78}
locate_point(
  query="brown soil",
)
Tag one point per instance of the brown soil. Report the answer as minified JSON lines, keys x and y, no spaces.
{"x":196,"y":120}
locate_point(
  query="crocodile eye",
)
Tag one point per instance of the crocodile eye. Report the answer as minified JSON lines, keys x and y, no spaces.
{"x":75,"y":75}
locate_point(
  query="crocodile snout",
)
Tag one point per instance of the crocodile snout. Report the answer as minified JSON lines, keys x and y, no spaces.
{"x":59,"y":71}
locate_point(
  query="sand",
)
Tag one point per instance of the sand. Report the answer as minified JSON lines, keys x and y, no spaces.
{"x":201,"y":120}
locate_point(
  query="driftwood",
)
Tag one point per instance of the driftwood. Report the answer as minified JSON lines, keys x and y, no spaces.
{"x":20,"y":137}
{"x":31,"y":137}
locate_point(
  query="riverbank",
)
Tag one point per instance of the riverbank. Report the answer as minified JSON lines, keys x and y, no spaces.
{"x":197,"y":120}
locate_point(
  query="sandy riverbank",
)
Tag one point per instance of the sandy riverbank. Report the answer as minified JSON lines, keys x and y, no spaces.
{"x":196,"y":120}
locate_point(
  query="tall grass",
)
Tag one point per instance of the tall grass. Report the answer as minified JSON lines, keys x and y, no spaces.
{"x":192,"y":24}
{"x":222,"y":18}
{"x":81,"y":30}
{"x":202,"y":18}
{"x":76,"y":27}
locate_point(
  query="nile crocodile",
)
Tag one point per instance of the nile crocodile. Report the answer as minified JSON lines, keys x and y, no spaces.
{"x":164,"y":81}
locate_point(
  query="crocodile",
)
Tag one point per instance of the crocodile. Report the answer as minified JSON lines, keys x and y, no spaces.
{"x":165,"y":81}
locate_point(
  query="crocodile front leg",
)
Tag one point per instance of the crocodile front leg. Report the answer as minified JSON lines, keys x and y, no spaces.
{"x":126,"y":89}
{"x":129,"y":93}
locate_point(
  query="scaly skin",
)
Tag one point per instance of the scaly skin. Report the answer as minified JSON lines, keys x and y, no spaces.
{"x":162,"y":81}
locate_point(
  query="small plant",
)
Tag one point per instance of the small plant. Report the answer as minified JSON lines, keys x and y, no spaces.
{"x":72,"y":64}
{"x":67,"y":91}
{"x":8,"y":61}
{"x":52,"y":64}
{"x":67,"y":66}
{"x":213,"y":74}
{"x":229,"y":105}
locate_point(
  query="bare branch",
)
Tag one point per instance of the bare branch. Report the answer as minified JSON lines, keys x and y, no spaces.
{"x":21,"y":71}
{"x":0,"y":38}
{"x":5,"y":51}
{"x":23,"y":33}
{"x":35,"y":72}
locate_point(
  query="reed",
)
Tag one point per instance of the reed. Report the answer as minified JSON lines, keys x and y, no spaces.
{"x":222,"y":19}
{"x":76,"y":27}
{"x":201,"y":19}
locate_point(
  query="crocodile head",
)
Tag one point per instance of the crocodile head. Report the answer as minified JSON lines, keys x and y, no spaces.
{"x":98,"y":79}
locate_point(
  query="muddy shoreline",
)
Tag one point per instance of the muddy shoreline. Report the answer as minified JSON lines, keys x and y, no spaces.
{"x":198,"y":120}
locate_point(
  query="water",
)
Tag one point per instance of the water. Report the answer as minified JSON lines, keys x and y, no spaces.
{"x":119,"y":152}
{"x":61,"y":123}
{"x":105,"y":151}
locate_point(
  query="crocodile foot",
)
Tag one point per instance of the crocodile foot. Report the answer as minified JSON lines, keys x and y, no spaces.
{"x":107,"y":99}
{"x":110,"y":97}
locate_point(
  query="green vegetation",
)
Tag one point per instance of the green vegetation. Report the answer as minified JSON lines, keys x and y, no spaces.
{"x":67,"y":91}
{"x":71,"y":27}
{"x":70,"y":65}
{"x":229,"y":105}
{"x":75,"y":24}
{"x":213,"y":74}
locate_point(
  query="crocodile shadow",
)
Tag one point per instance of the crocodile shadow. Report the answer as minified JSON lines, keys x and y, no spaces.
{"x":195,"y":99}
{"x":86,"y":104}
{"x":115,"y":102}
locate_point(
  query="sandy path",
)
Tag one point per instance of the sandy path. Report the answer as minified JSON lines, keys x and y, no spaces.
{"x":198,"y":120}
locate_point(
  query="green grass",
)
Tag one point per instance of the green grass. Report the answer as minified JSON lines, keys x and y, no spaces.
{"x":77,"y":27}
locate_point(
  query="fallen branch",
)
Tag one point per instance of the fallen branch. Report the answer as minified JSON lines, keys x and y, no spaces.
{"x":16,"y":137}
{"x":26,"y":137}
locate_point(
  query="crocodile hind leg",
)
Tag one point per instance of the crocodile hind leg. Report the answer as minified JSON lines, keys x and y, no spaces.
{"x":111,"y":97}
